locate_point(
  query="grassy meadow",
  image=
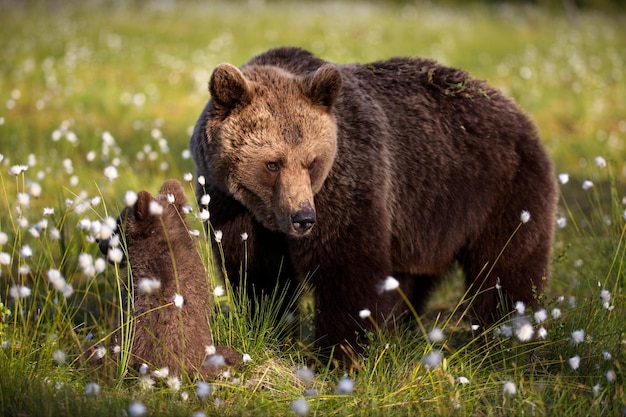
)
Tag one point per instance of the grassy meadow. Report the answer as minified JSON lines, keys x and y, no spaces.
{"x":99,"y":97}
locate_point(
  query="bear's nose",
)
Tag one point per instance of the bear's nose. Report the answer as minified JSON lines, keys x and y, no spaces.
{"x":303,"y":220}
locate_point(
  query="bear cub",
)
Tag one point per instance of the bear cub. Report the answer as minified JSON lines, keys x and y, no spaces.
{"x":165,"y":266}
{"x":352,"y":173}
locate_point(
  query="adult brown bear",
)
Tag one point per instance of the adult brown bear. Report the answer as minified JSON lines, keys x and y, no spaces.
{"x":353,"y":173}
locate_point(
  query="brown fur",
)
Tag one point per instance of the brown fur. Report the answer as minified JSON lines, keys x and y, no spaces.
{"x":161,"y":247}
{"x":355,"y":172}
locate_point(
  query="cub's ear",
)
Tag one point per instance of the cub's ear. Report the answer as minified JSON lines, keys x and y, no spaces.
{"x":228,"y":87}
{"x":174,"y":188}
{"x":323,"y":85}
{"x":142,"y":206}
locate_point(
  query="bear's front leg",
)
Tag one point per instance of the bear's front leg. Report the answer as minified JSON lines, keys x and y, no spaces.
{"x":341,"y":295}
{"x":346,"y":279}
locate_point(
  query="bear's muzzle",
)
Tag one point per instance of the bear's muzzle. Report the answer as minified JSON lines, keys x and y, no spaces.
{"x":303,"y":220}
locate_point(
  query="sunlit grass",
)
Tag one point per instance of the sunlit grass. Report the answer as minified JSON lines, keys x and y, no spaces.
{"x":87,"y":87}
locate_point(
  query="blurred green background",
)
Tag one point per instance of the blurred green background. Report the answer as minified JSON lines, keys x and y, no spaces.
{"x":70,"y":71}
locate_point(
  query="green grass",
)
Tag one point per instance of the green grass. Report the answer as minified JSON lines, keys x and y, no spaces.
{"x":69,"y":75}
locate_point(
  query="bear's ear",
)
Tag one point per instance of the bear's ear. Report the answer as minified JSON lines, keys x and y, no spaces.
{"x":228,"y":87}
{"x":323,"y":85}
{"x":142,"y":206}
{"x":172,"y":187}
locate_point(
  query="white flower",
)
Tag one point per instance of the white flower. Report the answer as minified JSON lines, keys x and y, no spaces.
{"x":365,"y":313}
{"x":605,"y":295}
{"x":201,"y":180}
{"x":606,"y":355}
{"x":578,"y":336}
{"x":596,"y":390}
{"x":67,"y":290}
{"x":4,"y":238}
{"x":34,"y":189}
{"x":155,"y":208}
{"x":432,"y":359}
{"x":600,"y":162}
{"x":556,"y":313}
{"x":610,"y":375}
{"x":143,"y":369}
{"x":178,"y":300}
{"x":23,"y":199}
{"x":171,"y":198}
{"x":92,"y":388}
{"x":115,"y":255}
{"x":17,"y":169}
{"x":345,"y":386}
{"x":574,"y":362}
{"x":462,"y":380}
{"x":540,"y":315}
{"x":99,"y":265}
{"x":215,"y":361}
{"x":520,"y":307}
{"x":305,"y":375}
{"x":564,"y":178}
{"x":19,"y":291}
{"x":84,"y":224}
{"x":561,"y":222}
{"x":55,"y":234}
{"x":390,"y":284}
{"x":110,"y":173}
{"x":137,"y":409}
{"x":5,"y":258}
{"x":161,"y":373}
{"x":149,"y":285}
{"x":524,"y":216}
{"x":187,"y":176}
{"x":203,"y":390}
{"x":436,"y":335}
{"x":146,"y":383}
{"x":218,"y":291}
{"x":26,"y":251}
{"x":209,"y":350}
{"x":130,"y":198}
{"x":246,"y":358}
{"x":173,"y":382}
{"x":505,"y":331}
{"x":244,"y":236}
{"x":525,"y":332}
{"x":587,"y":185}
{"x":58,"y":356}
{"x":99,"y":352}
{"x":204,"y":215}
{"x":218,"y":236}
{"x":205,"y":199}
{"x":300,"y":407}
{"x":56,"y":279}
{"x":509,"y":388}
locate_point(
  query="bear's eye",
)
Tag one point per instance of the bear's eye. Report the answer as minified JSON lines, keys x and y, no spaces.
{"x":273,"y":166}
{"x":312,"y":165}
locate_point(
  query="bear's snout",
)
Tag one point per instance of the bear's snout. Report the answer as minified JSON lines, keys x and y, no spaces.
{"x":303,"y":220}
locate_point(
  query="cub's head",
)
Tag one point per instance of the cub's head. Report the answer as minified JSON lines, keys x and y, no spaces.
{"x":272,"y":140}
{"x":142,"y":226}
